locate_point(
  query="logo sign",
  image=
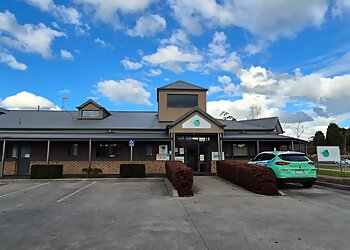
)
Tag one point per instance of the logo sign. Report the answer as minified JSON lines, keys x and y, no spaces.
{"x":131,"y":143}
{"x":196,"y":122}
{"x":328,"y":153}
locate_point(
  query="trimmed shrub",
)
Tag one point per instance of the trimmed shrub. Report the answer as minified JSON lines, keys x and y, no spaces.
{"x":93,"y":171}
{"x":180,"y":176}
{"x":132,"y":170}
{"x":46,"y":171}
{"x":255,"y":178}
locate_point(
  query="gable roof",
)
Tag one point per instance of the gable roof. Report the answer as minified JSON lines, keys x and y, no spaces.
{"x":182,"y":85}
{"x":196,"y":109}
{"x":269,"y":123}
{"x":90,"y":101}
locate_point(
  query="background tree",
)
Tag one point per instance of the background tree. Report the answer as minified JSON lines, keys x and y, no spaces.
{"x":254,"y":112}
{"x":300,"y":129}
{"x":319,"y":139}
{"x":226,"y":116}
{"x":334,"y":135}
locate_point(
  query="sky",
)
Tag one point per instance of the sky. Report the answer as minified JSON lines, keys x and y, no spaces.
{"x":283,"y":58}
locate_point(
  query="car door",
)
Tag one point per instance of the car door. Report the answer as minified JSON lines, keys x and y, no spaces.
{"x":263,"y":159}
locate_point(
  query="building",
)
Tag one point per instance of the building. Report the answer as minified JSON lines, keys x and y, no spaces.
{"x":93,"y":137}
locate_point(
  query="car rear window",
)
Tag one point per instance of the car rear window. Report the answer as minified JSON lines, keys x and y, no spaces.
{"x":293,"y":157}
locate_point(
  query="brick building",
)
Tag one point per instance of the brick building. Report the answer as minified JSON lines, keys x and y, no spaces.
{"x":94,"y":137}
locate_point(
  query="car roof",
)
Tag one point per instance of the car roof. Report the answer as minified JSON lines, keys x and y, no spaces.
{"x":282,"y":152}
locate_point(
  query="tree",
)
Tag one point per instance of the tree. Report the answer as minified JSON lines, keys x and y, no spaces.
{"x":254,"y":112}
{"x":300,"y":129}
{"x":319,"y":139}
{"x":226,"y":116}
{"x":334,"y":136}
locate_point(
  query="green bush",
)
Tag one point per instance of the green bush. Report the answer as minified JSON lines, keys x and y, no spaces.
{"x":46,"y":171}
{"x":132,"y":170}
{"x":92,"y":170}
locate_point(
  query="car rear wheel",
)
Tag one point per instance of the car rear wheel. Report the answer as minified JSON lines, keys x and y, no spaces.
{"x":308,"y":184}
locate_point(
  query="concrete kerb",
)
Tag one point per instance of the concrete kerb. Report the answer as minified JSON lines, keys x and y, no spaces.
{"x":171,"y":189}
{"x":333,"y":185}
{"x":147,"y":179}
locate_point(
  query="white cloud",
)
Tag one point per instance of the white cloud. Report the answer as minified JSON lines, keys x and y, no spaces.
{"x":171,"y":57}
{"x":129,"y":90}
{"x":62,"y":13}
{"x":218,"y":46}
{"x":155,"y":72}
{"x":11,"y":61}
{"x":224,"y":79}
{"x":67,"y":55}
{"x":341,"y":7}
{"x":26,"y":100}
{"x":103,"y":43}
{"x":27,"y":38}
{"x":148,"y":26}
{"x":285,"y":18}
{"x":255,"y":48}
{"x":130,"y":65}
{"x":227,"y":87}
{"x":64,"y":91}
{"x":230,"y":63}
{"x":107,"y":10}
{"x":239,"y":109}
{"x":179,"y":37}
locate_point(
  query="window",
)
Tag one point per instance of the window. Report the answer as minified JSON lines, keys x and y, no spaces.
{"x":264,"y":157}
{"x":73,"y":150}
{"x":14,"y":151}
{"x":182,"y":101}
{"x":107,"y":150}
{"x":90,"y":113}
{"x":293,"y":157}
{"x":240,"y":150}
{"x":149,"y":149}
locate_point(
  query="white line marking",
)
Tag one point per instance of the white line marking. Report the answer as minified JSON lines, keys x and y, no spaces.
{"x":42,"y":184}
{"x":75,"y":192}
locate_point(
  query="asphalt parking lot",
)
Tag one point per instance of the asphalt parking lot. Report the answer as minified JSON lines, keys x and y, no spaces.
{"x":139,"y":214}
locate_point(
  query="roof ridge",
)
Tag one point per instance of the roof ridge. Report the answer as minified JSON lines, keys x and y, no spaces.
{"x":181,"y":81}
{"x":265,"y":118}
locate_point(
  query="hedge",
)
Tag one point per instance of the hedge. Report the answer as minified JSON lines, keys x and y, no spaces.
{"x":132,"y":170}
{"x":46,"y":171}
{"x":255,"y":178}
{"x":180,"y":176}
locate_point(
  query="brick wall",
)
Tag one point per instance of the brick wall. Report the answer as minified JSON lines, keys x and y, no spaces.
{"x":10,"y":168}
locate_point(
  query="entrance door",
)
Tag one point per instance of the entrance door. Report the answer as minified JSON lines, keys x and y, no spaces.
{"x":23,"y":160}
{"x":192,"y":156}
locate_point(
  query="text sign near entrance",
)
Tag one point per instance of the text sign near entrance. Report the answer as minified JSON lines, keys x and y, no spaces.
{"x":328,"y":153}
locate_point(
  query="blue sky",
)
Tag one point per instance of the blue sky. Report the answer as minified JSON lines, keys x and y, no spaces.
{"x":278,"y":58}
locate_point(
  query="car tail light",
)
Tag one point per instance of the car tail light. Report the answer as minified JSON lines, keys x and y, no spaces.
{"x":282,"y":163}
{"x":311,"y":163}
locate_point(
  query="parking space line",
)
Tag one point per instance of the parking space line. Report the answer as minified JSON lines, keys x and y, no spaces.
{"x":24,"y":189}
{"x":75,"y":192}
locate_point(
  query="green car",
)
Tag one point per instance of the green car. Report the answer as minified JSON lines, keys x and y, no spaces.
{"x":288,"y":166}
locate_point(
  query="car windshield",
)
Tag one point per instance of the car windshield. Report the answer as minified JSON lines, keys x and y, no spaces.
{"x":293,"y":157}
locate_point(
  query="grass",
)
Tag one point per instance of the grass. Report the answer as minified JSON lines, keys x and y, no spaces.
{"x":333,"y":173}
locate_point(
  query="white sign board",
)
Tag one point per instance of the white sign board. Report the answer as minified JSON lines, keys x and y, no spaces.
{"x":131,"y":143}
{"x":163,"y":149}
{"x":196,"y":122}
{"x":162,"y":157}
{"x":215,"y":156}
{"x":328,"y":153}
{"x":180,"y":158}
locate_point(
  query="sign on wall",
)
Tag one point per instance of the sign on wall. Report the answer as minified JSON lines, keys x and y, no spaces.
{"x":328,"y":153}
{"x":196,"y":122}
{"x":162,"y":157}
{"x":163,"y":149}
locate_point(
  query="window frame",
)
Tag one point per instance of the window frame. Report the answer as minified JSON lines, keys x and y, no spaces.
{"x":179,"y":104}
{"x":98,"y":112}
